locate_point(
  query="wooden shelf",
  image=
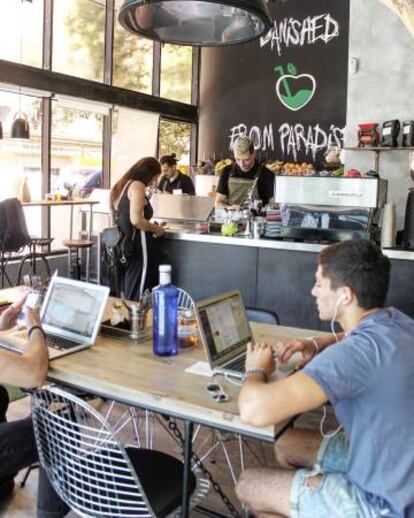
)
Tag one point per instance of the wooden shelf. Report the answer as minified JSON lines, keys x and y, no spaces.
{"x":379,"y":149}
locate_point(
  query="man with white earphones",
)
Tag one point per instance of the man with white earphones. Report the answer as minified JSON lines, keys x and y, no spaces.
{"x":367,"y":374}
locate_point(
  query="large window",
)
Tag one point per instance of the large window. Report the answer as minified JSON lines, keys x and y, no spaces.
{"x":134,"y":136}
{"x":21,"y":25}
{"x":175,"y":137}
{"x":20,"y":162}
{"x":76,"y":160}
{"x":176,"y":72}
{"x":78,"y":38}
{"x":133,"y":59}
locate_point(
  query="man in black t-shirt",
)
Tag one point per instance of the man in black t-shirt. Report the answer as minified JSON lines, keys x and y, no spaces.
{"x":172,"y":178}
{"x":245,"y":167}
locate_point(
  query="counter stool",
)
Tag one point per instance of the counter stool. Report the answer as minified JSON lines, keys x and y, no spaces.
{"x":34,"y":255}
{"x":74,"y":258}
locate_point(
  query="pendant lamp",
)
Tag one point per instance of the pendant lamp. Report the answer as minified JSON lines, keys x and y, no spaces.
{"x":196,"y":22}
{"x":20,"y":127}
{"x":1,"y":131}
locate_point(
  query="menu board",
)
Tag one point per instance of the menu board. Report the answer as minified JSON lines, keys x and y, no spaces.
{"x":286,"y":90}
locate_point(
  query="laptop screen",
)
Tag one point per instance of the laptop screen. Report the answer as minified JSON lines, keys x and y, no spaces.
{"x":74,"y":309}
{"x":224,"y":325}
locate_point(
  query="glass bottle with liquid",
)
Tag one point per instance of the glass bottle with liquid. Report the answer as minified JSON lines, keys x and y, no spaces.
{"x":165,"y":314}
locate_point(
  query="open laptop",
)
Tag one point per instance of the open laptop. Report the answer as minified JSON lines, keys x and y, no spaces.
{"x":225,"y":332}
{"x":71,"y":316}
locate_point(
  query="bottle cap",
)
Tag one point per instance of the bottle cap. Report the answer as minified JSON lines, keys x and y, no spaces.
{"x":164,"y":268}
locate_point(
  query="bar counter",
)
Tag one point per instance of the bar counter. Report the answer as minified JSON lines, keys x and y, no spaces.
{"x":272,"y":274}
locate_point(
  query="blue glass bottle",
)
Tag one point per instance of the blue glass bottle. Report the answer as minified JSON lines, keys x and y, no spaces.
{"x":165,"y":314}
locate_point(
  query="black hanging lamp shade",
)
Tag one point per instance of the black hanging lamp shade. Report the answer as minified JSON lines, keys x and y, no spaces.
{"x":196,"y":22}
{"x":20,"y":127}
{"x":1,"y":131}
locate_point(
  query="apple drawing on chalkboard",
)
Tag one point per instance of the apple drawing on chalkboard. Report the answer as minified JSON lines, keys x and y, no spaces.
{"x":294,"y":91}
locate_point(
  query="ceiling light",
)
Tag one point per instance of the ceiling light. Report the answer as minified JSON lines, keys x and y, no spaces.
{"x":196,"y":22}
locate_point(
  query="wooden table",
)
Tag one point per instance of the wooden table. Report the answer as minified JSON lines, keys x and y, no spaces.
{"x":130,"y":373}
{"x":71,"y":203}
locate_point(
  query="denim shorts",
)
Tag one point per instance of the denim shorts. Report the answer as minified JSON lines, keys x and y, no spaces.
{"x":335,"y":497}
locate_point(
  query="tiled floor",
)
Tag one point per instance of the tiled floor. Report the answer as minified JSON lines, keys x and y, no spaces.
{"x":22,"y":503}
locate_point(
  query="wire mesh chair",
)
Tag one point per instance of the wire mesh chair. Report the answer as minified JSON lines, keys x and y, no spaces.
{"x":94,"y":473}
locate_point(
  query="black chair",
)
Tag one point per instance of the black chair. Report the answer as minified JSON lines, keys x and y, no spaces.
{"x":263,"y":316}
{"x":36,"y":256}
{"x":13,"y":233}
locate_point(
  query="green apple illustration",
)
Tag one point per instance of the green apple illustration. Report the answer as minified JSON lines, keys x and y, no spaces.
{"x":294,"y":91}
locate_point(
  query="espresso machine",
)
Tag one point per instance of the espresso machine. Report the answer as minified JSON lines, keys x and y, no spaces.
{"x":330,"y":209}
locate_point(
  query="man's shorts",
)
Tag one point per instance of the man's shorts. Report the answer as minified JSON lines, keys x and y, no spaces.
{"x":335,"y":497}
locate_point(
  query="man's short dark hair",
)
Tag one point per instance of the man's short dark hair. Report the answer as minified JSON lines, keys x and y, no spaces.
{"x":361,"y":266}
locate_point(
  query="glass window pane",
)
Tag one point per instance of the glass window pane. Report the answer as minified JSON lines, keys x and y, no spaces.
{"x":134,"y":136}
{"x":175,"y":137}
{"x":76,"y":162}
{"x":176,"y":65}
{"x":20,"y":165}
{"x":78,"y":38}
{"x":133,"y":58}
{"x":21,"y":27}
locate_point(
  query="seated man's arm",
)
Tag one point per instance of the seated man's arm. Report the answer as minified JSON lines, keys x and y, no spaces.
{"x":28,"y":370}
{"x":262,"y":403}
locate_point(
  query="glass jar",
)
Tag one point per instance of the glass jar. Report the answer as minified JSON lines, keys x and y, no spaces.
{"x":188,"y":335}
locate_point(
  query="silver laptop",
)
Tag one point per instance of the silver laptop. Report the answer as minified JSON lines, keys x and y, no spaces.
{"x":225,"y":332}
{"x":71,"y":316}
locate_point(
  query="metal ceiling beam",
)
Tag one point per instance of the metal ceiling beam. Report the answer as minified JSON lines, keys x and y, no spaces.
{"x":46,"y":80}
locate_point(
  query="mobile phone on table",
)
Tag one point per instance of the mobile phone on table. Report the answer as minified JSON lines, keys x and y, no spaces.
{"x":33,"y":299}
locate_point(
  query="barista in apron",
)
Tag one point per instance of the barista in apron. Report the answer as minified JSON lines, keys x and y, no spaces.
{"x":244,"y":179}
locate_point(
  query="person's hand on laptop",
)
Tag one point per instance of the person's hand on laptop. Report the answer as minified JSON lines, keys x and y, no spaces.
{"x":9,"y":316}
{"x":260,"y":356}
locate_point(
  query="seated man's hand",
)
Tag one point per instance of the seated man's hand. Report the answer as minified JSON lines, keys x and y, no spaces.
{"x":33,"y":317}
{"x":9,"y":316}
{"x":286,"y":350}
{"x":260,"y":356}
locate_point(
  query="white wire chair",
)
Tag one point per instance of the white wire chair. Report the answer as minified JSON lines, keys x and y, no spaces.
{"x":94,"y":473}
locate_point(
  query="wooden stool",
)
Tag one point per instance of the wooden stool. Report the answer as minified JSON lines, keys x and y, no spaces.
{"x":75,"y":264}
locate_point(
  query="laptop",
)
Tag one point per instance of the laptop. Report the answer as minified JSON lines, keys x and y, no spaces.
{"x":225,"y":332}
{"x":71,"y":316}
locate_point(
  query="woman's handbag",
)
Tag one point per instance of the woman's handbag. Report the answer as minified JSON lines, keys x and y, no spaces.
{"x":111,"y":236}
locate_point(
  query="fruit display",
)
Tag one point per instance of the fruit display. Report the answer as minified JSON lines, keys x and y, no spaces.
{"x":276,"y":166}
{"x":291,"y":168}
{"x":221,"y":164}
{"x":229,"y":229}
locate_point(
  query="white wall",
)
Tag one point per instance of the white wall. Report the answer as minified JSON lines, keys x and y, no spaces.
{"x":382,"y":89}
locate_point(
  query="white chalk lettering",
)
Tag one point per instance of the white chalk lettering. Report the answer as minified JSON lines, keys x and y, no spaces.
{"x":294,"y":139}
{"x":291,"y":32}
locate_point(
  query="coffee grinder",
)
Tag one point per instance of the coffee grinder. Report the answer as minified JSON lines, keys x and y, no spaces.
{"x":408,"y":234}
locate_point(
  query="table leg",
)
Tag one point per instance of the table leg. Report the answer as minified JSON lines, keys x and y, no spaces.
{"x":88,"y":251}
{"x":188,"y":453}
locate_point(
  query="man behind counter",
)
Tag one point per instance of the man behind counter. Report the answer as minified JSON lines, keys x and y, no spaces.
{"x":245,"y":176}
{"x":172,"y":179}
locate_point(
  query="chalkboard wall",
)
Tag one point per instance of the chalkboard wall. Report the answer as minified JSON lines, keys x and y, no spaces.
{"x":287,"y":90}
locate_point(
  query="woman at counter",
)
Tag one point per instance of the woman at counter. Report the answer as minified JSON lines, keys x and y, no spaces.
{"x":172,"y":179}
{"x":132,"y":213}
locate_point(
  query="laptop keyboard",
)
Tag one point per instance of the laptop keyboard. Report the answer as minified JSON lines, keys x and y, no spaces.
{"x":59,"y":343}
{"x":237,"y":364}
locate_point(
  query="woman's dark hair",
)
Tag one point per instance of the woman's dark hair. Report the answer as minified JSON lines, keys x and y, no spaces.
{"x":144,"y":170}
{"x":361,"y":266}
{"x":169,"y":160}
